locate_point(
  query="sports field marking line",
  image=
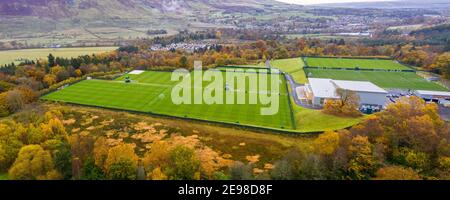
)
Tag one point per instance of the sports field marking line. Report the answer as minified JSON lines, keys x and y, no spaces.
{"x":239,"y":91}
{"x":152,"y":101}
{"x":172,"y":86}
{"x":149,"y":84}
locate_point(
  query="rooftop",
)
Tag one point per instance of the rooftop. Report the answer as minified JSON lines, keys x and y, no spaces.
{"x":359,"y":86}
{"x":433,"y":93}
{"x":323,"y":88}
{"x":326,"y":88}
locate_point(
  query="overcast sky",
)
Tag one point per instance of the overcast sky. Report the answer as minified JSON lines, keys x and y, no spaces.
{"x":306,"y":2}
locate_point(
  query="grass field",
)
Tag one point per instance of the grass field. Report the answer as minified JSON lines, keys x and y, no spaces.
{"x":3,"y":177}
{"x":293,"y":66}
{"x":7,"y":57}
{"x":354,"y":63}
{"x":388,"y":80}
{"x":151,"y":92}
{"x":309,"y":120}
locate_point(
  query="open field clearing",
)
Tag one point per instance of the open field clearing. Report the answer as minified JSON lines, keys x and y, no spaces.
{"x":150,"y":92}
{"x":293,"y":66}
{"x":354,"y":63}
{"x":7,"y":57}
{"x":388,"y":80}
{"x":237,"y":144}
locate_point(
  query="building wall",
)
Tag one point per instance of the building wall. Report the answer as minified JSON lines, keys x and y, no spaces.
{"x":372,"y":98}
{"x":430,"y":97}
{"x":364,"y":98}
{"x":316,"y":101}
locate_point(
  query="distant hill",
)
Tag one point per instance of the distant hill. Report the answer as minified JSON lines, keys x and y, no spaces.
{"x":94,"y":22}
{"x":57,"y":9}
{"x":393,"y":4}
{"x":434,"y":35}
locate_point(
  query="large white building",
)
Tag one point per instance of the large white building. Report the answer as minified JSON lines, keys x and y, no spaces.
{"x":318,"y":90}
{"x":433,"y":95}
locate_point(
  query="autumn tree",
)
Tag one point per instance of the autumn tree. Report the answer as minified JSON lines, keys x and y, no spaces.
{"x":78,"y":73}
{"x":288,"y":168}
{"x":241,"y":171}
{"x":49,"y":80}
{"x":100,"y":152}
{"x":4,"y":111}
{"x":81,"y":146}
{"x":346,"y":105}
{"x":53,"y":128}
{"x":362,"y":164}
{"x":122,"y":169}
{"x":183,"y":62}
{"x":60,"y":73}
{"x":157,"y":174}
{"x":28,"y":95}
{"x":14,"y":101}
{"x":327,"y":143}
{"x":184,"y":164}
{"x":443,"y":64}
{"x":281,"y":52}
{"x":158,"y":156}
{"x":62,"y":157}
{"x":417,"y":160}
{"x":412,"y":123}
{"x":415,"y":57}
{"x":397,"y":173}
{"x":10,"y":142}
{"x":409,"y":133}
{"x":262,"y":47}
{"x":32,"y":163}
{"x":2,"y":154}
{"x":121,"y":162}
{"x":91,"y":171}
{"x":313,"y":168}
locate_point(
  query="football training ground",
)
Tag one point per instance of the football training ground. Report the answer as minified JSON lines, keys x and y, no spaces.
{"x":381,"y":72}
{"x":150,"y":92}
{"x":379,"y":64}
{"x":387,"y":80}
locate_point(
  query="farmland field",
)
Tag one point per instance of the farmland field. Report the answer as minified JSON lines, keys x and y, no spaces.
{"x":150,"y":92}
{"x":354,"y":63}
{"x":7,"y":57}
{"x":388,"y":80}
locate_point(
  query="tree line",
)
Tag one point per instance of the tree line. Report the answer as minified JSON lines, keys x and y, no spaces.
{"x":407,"y":141}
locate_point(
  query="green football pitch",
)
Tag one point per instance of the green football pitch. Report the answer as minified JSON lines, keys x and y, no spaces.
{"x":388,"y":80}
{"x":354,"y":63}
{"x":150,"y":92}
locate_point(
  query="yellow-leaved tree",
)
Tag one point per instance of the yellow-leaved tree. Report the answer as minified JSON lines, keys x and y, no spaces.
{"x":33,"y":163}
{"x":397,"y":173}
{"x":326,"y":143}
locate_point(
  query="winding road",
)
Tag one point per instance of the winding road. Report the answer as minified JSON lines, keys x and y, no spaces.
{"x":294,"y":94}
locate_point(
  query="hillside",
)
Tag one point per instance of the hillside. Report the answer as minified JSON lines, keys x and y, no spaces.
{"x":93,"y":22}
{"x":60,"y":9}
{"x":434,"y":35}
{"x":392,"y":4}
